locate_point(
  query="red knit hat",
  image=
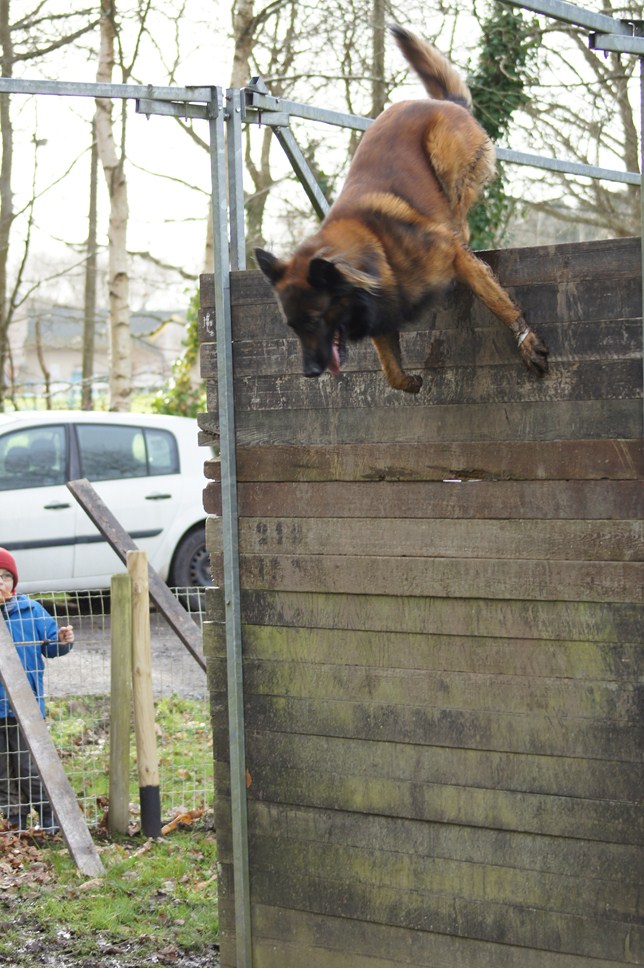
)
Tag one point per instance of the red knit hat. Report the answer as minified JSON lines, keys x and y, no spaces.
{"x":8,"y":562}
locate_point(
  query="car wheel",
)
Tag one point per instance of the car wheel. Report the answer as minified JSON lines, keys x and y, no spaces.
{"x":191,"y":563}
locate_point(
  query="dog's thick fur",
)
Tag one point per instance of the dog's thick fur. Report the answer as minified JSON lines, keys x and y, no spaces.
{"x":397,"y":234}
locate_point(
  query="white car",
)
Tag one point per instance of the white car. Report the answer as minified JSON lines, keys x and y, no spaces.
{"x":148,"y":469}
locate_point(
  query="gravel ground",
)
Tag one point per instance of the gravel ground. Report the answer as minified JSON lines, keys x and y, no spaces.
{"x":86,"y":669}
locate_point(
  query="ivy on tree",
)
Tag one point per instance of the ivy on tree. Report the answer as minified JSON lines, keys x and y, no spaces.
{"x":499,"y":86}
{"x":182,"y":397}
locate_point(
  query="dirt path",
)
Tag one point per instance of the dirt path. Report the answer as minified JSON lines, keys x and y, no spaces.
{"x":86,"y":670}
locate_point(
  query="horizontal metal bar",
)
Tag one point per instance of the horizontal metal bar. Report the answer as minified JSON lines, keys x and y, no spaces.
{"x":16,"y":85}
{"x":173,"y":109}
{"x":256,"y":101}
{"x":623,"y":45}
{"x":270,"y":119}
{"x":568,"y":167}
{"x":570,"y":13}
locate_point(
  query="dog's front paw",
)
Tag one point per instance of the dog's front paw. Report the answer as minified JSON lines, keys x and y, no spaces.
{"x":412,"y":384}
{"x":534,"y":353}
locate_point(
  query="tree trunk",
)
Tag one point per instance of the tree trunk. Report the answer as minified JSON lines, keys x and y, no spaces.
{"x":243,"y":17}
{"x":118,"y":277}
{"x":243,"y":23}
{"x":89,"y":315}
{"x":6,"y":195}
{"x":378,"y":86}
{"x":46,"y":375}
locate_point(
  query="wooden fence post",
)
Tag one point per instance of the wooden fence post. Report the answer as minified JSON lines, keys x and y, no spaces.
{"x":146,"y":747}
{"x":120,"y":703}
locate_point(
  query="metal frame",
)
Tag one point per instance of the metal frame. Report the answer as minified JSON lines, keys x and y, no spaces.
{"x":207,"y":103}
{"x":226,"y":114}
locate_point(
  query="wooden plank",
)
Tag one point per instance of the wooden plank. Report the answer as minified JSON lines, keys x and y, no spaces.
{"x":558,"y":776}
{"x":425,"y":877}
{"x":595,"y":301}
{"x":551,"y":308}
{"x":554,"y":460}
{"x":449,"y":914}
{"x":436,"y":538}
{"x":537,"y":265}
{"x":604,"y":862}
{"x":120,"y":703}
{"x":554,"y":621}
{"x":542,"y":501}
{"x":472,"y":385}
{"x":534,"y":658}
{"x":143,"y":697}
{"x":59,"y":790}
{"x":292,"y":938}
{"x":568,"y":261}
{"x":454,"y":578}
{"x":433,"y":349}
{"x":414,"y":424}
{"x":226,"y":938}
{"x":564,"y":698}
{"x":530,"y":733}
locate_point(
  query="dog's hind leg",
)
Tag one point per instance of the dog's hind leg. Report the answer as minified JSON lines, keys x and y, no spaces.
{"x":388,"y":350}
{"x":485,"y":285}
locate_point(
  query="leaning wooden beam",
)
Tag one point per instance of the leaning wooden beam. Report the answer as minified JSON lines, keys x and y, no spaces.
{"x":176,"y":616}
{"x":59,"y":790}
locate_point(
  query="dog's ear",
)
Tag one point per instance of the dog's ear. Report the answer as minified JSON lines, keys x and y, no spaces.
{"x":272,"y":267}
{"x":325,"y":275}
{"x":339,"y":276}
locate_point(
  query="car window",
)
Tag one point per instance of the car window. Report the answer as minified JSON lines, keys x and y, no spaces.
{"x":33,"y":457}
{"x":163,"y":457}
{"x":109,"y":452}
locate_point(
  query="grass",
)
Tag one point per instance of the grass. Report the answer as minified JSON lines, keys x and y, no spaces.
{"x":79,"y":726}
{"x":158,"y":898}
{"x":155,"y":896}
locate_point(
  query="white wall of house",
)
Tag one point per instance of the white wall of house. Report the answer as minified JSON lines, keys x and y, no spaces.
{"x":156,"y":344}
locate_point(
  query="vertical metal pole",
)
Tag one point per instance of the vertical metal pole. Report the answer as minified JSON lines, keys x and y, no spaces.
{"x":235,"y":179}
{"x":642,"y":210}
{"x":223,"y":335}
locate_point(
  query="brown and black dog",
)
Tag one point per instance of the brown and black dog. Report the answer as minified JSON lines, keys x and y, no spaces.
{"x":397,"y":234}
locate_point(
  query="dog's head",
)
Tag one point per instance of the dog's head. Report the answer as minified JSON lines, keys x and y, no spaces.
{"x":324,"y":303}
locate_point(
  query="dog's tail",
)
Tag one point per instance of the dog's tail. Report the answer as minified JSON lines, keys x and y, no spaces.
{"x":439,"y":78}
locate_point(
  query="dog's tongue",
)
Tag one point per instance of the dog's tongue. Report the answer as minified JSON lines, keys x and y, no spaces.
{"x":334,"y":362}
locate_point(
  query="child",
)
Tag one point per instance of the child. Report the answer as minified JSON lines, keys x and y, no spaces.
{"x":35,"y":634}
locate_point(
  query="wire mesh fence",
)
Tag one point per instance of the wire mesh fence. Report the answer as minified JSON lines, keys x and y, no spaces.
{"x":77,"y":701}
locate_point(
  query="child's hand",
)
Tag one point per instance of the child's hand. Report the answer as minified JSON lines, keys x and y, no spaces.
{"x":66,"y":634}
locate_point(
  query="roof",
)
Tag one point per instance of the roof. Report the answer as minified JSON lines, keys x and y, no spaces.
{"x":62,"y":326}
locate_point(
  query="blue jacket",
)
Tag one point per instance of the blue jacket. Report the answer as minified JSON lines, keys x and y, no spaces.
{"x":35,"y":634}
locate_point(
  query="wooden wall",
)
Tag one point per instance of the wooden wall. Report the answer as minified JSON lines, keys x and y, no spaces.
{"x":442,"y":626}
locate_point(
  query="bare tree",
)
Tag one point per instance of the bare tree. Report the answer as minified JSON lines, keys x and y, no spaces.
{"x":304,"y":51}
{"x":584,"y":107}
{"x":112,"y":159}
{"x":38,"y":32}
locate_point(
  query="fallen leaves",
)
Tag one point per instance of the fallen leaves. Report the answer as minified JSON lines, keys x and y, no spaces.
{"x":21,"y":863}
{"x":185,"y":817}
